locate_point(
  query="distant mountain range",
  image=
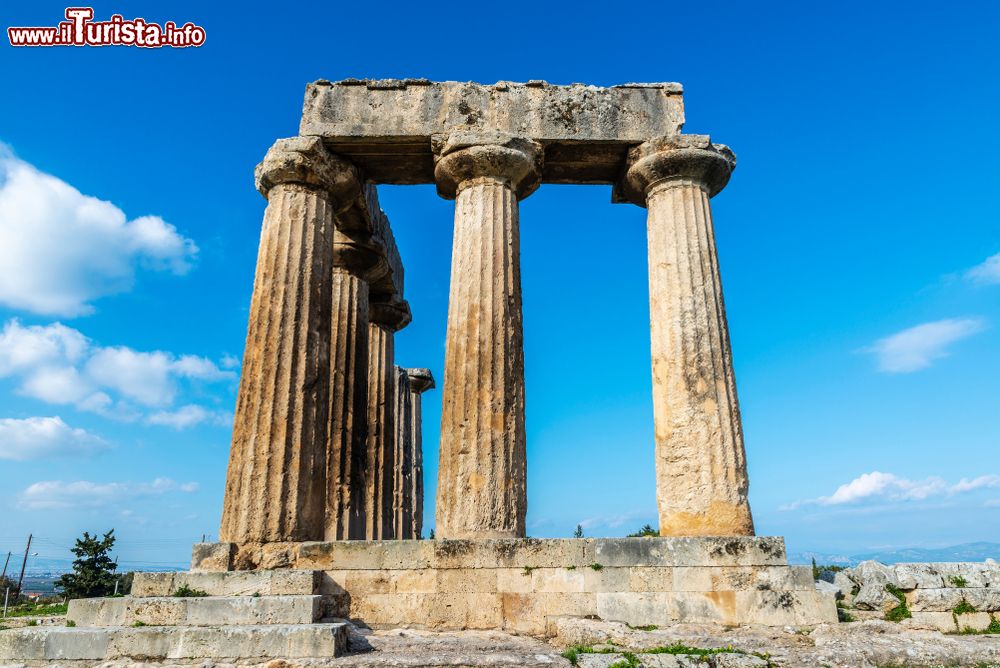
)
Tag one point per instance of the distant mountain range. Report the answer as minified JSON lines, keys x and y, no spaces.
{"x":966,"y":552}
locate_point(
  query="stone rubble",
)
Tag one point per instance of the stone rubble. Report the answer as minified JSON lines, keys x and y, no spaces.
{"x":952,"y":596}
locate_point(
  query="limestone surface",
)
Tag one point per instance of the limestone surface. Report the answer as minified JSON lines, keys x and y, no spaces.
{"x":949,"y":597}
{"x":385,"y":127}
{"x":871,"y":644}
{"x":418,"y":381}
{"x":701,"y":473}
{"x":197,"y":611}
{"x":380,"y":463}
{"x":283,"y":402}
{"x":482,"y":474}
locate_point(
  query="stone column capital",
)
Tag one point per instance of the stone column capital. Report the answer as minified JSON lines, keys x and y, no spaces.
{"x":461,"y":158}
{"x":677,"y":158}
{"x":358,"y":253}
{"x":421,"y":380}
{"x":391,"y":313}
{"x":305,"y":161}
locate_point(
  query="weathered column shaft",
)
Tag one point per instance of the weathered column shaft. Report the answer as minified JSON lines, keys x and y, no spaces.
{"x":279,"y":428}
{"x":381,"y":434}
{"x":700,"y":461}
{"x":482,"y":471}
{"x":482,"y":488}
{"x":345,"y":504}
{"x":402,"y":503}
{"x":419,"y":381}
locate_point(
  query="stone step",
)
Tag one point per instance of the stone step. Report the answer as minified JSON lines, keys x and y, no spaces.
{"x":196,"y":611}
{"x":150,"y":643}
{"x":236,"y":583}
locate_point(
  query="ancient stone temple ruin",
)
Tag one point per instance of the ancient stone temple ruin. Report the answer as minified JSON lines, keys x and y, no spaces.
{"x":322,"y":518}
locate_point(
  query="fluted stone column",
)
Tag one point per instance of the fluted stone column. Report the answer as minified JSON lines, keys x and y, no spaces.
{"x":701,"y":469}
{"x":482,"y":473}
{"x":386,"y":318}
{"x":355,"y":257}
{"x":276,"y":484}
{"x":402,"y":504}
{"x":418,"y":382}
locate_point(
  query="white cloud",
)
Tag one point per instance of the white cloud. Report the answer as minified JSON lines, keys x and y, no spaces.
{"x":59,"y":365}
{"x":189,"y":416}
{"x":61,"y":249}
{"x":982,"y":482}
{"x":41,"y":437}
{"x":143,"y":377}
{"x":230,"y":362}
{"x":56,"y":494}
{"x":192,"y":366}
{"x":915,"y":348}
{"x":987,"y":273}
{"x":887,"y":487}
{"x":58,"y":385}
{"x":26,"y":348}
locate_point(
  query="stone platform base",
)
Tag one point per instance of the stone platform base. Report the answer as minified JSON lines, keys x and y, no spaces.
{"x":520,"y":585}
{"x":43,"y":645}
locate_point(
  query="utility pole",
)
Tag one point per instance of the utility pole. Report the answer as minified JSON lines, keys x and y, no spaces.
{"x":23,"y":564}
{"x":5,"y":567}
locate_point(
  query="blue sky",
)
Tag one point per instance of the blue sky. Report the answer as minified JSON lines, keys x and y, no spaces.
{"x":858,"y":241}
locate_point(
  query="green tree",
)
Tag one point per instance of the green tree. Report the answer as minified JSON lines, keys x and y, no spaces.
{"x":645,"y":531}
{"x":93,"y":570}
{"x":579,"y":531}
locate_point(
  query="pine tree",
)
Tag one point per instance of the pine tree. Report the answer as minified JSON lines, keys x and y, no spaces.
{"x":93,"y":570}
{"x":579,"y":531}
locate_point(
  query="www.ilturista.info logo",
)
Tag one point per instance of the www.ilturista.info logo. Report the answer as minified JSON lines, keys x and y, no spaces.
{"x":79,"y":29}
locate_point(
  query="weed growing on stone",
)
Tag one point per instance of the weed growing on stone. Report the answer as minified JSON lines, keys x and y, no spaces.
{"x":964,"y":608}
{"x":901,"y":611}
{"x":528,"y":569}
{"x":842,"y":614}
{"x":597,"y":567}
{"x":70,"y":623}
{"x":256,"y":594}
{"x":631,"y":660}
{"x":138,"y":625}
{"x":992,"y":629}
{"x":32,"y":622}
{"x":187,"y":592}
{"x":958,"y":581}
{"x":647,"y":627}
{"x":571,"y":568}
{"x":628,"y":660}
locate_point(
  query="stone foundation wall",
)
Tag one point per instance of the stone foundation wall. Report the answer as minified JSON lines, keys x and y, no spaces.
{"x":521,"y":585}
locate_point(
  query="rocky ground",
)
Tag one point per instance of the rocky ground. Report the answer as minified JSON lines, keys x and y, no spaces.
{"x":866,"y":644}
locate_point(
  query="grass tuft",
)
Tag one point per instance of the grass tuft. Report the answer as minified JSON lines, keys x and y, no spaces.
{"x":964,"y":608}
{"x":901,"y":611}
{"x":647,"y":627}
